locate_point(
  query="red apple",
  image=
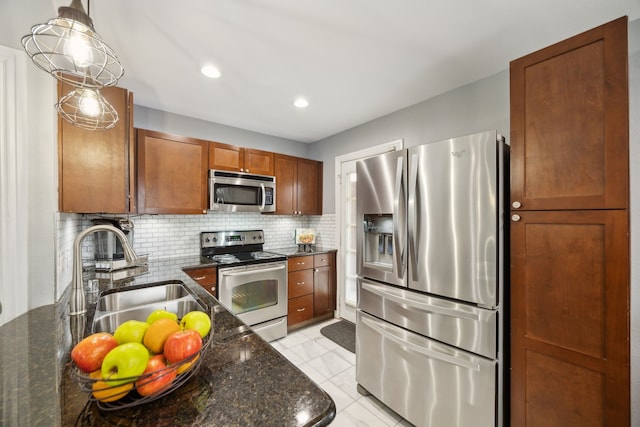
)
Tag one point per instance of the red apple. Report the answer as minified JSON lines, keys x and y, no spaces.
{"x":89,"y":353}
{"x":160,"y":376}
{"x":181,"y":345}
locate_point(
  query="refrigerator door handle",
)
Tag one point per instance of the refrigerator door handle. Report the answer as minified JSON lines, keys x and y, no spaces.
{"x":385,"y":332}
{"x":393,"y":295}
{"x":412,"y":215}
{"x":398,"y":222}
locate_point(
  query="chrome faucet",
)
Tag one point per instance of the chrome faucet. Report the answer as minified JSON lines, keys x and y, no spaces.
{"x":77,"y":303}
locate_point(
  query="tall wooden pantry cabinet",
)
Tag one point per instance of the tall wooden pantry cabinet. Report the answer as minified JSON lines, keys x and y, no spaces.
{"x":570,"y":272}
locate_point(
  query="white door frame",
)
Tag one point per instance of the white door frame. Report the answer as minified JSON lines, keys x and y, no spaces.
{"x":344,"y":309}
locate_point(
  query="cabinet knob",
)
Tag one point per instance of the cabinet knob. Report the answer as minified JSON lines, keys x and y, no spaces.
{"x":516,"y":204}
{"x":515,"y":217}
{"x":213,"y":289}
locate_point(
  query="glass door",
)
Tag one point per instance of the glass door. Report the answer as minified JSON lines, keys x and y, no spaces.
{"x":348,"y":244}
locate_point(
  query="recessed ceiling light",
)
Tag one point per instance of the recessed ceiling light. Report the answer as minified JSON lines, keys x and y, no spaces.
{"x":210,"y":71}
{"x":301,"y":103}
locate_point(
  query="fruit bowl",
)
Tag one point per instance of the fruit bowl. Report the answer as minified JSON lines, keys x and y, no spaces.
{"x":109,"y":398}
{"x":129,"y":344}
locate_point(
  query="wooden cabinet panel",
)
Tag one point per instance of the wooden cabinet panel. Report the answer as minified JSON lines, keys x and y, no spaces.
{"x":300,"y":283}
{"x":205,"y":277}
{"x":300,"y":309}
{"x":225,"y":157}
{"x":286,"y":172}
{"x":570,"y":318}
{"x":569,"y":138}
{"x":300,"y":263}
{"x":94,"y":167}
{"x":570,"y":271}
{"x":172,"y":173}
{"x":298,"y":186}
{"x":324,"y":284}
{"x":239,"y":159}
{"x":258,"y":162}
{"x":309,"y":187}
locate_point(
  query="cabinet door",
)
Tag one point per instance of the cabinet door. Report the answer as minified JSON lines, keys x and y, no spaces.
{"x":94,"y":166}
{"x":324,"y":290}
{"x":570,"y":318}
{"x":286,"y":172}
{"x":226,"y":157}
{"x":258,"y":162}
{"x":172,"y":174}
{"x":569,"y":123}
{"x":309,"y":194}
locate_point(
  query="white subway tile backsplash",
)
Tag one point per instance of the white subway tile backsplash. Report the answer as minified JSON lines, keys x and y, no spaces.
{"x":164,"y":236}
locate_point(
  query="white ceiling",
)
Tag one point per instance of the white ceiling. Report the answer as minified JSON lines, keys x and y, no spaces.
{"x":355,"y":60}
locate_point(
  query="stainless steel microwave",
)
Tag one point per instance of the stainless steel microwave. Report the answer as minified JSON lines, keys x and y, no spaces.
{"x":241,"y":192}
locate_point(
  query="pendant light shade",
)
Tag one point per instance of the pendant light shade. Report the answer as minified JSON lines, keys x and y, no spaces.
{"x":68,"y":48}
{"x":87,"y":109}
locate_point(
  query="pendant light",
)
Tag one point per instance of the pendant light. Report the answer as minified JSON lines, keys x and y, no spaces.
{"x":69,"y":48}
{"x":87,"y":109}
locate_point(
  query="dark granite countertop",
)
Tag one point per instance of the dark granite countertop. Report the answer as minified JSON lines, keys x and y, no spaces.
{"x":294,"y":251}
{"x":242,"y":380}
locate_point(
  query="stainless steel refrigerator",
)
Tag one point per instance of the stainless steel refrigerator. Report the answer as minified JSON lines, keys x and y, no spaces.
{"x":432,"y":292}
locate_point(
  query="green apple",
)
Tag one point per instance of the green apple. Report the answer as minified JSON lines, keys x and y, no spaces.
{"x":125,"y":363}
{"x":197,"y":321}
{"x":159,"y":314}
{"x":130,"y":331}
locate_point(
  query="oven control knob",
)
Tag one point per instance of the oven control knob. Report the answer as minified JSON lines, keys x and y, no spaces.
{"x":207,"y":239}
{"x":215,"y":239}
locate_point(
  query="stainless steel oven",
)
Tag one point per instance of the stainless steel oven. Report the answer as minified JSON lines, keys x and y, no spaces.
{"x":257,"y":294}
{"x":252,"y":283}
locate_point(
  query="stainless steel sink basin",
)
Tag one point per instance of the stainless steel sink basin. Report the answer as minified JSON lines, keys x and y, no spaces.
{"x":137,"y":296}
{"x":136,"y":303}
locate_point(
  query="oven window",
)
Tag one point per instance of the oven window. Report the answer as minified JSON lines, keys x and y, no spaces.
{"x":254,"y":295}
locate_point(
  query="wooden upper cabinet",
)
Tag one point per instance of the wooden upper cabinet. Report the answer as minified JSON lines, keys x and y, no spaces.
{"x":309,"y":187}
{"x":239,"y":159}
{"x":172,"y":173}
{"x":569,"y":139}
{"x":298,"y":186}
{"x":95,"y":168}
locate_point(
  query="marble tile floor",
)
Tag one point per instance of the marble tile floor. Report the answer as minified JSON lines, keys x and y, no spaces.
{"x":333,"y":368}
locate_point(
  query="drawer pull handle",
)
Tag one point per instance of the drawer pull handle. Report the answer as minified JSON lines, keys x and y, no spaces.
{"x":199,"y":277}
{"x":300,"y":263}
{"x":302,"y":309}
{"x":300,"y":283}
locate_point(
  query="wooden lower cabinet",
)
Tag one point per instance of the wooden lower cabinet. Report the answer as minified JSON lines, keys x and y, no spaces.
{"x":205,"y":277}
{"x":324,"y":284}
{"x":300,"y":309}
{"x":311,"y":287}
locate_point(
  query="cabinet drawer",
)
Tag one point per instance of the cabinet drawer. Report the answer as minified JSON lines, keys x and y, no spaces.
{"x":323,"y":260}
{"x":300,"y":283}
{"x":300,"y":309}
{"x":300,"y":263}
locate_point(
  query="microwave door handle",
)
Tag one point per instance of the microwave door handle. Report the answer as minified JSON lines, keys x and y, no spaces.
{"x":253,"y":271}
{"x":264,"y":197}
{"x":398,"y":223}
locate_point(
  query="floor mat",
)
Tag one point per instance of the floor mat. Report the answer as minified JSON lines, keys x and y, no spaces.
{"x":342,"y":333}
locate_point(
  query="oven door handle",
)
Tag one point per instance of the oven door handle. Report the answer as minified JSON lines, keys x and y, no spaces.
{"x":253,"y":271}
{"x":264,"y":197}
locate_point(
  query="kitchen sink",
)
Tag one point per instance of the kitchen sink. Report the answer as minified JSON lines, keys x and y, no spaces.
{"x":136,"y":303}
{"x":126,"y":298}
